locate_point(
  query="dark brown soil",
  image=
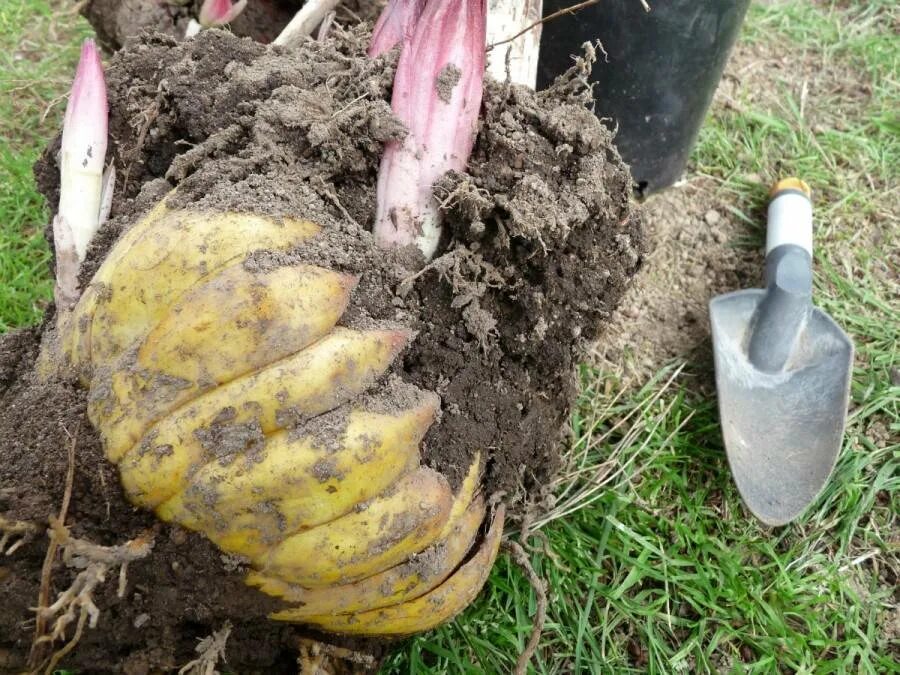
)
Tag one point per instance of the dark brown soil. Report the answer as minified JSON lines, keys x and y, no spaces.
{"x":541,"y":243}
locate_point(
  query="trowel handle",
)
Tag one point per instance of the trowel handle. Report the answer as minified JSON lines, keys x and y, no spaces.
{"x":790,"y":215}
{"x":782,"y":314}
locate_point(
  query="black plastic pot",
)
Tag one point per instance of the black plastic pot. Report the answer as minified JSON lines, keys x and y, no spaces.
{"x":663,"y":69}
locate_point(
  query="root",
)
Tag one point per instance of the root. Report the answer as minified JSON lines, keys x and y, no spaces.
{"x":540,"y":591}
{"x":211,"y":650}
{"x":219,"y":142}
{"x":76,"y":604}
{"x":19,"y":532}
{"x":333,"y":198}
{"x":319,"y":658}
{"x":149,"y":117}
{"x":550,"y":17}
{"x":40,"y":624}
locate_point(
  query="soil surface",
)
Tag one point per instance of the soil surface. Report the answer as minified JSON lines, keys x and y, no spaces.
{"x":541,"y":242}
{"x":698,"y":249}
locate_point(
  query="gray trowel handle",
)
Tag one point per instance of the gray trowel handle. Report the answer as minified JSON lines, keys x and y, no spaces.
{"x":782,"y":314}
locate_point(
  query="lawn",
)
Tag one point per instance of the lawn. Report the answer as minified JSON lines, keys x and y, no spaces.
{"x":651,"y":562}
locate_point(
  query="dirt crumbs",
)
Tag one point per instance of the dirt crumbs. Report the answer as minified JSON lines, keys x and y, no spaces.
{"x":540,"y":244}
{"x":698,"y":250}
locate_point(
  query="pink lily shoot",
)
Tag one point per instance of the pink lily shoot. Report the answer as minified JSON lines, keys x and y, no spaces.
{"x":215,"y":13}
{"x":81,"y":194}
{"x":437,"y":94}
{"x":397,"y":20}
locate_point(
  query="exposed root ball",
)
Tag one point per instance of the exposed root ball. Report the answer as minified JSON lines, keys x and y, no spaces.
{"x":541,"y":243}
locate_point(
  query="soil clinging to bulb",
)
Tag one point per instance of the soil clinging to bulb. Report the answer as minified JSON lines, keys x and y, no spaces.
{"x":541,"y":241}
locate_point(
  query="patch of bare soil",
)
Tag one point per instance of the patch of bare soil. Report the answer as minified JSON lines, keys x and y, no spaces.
{"x":698,"y":249}
{"x":541,"y":243}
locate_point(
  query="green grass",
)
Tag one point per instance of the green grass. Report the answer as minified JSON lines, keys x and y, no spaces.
{"x":38,"y":52}
{"x":666,"y":573}
{"x":662,"y":570}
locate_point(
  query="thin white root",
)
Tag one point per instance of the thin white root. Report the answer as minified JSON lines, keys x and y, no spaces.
{"x":211,"y":650}
{"x":77,"y":598}
{"x":305,"y":21}
{"x":15,"y":533}
{"x":516,"y":59}
{"x":76,"y":603}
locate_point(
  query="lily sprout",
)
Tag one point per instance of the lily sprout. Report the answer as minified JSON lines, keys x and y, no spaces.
{"x":215,"y":13}
{"x":84,"y":150}
{"x":84,"y":191}
{"x":397,"y":20}
{"x":437,"y":94}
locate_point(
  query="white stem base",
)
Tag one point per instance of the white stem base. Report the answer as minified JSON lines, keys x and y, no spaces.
{"x":80,"y":196}
{"x":505,"y":19}
{"x":305,"y":21}
{"x":193,"y":28}
{"x":67,"y":264}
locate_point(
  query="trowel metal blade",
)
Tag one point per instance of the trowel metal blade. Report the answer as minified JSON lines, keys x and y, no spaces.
{"x":783,"y":431}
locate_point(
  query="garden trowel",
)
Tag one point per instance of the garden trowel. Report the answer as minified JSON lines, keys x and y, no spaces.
{"x":782,"y":371}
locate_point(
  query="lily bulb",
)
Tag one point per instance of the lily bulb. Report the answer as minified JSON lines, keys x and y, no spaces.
{"x":397,"y":20}
{"x":82,"y":155}
{"x":215,"y":13}
{"x":437,"y":95}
